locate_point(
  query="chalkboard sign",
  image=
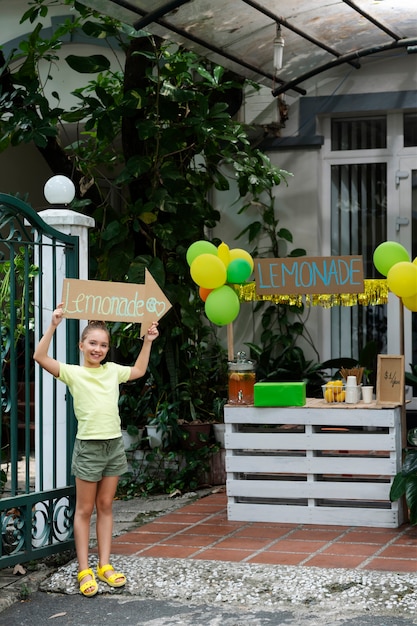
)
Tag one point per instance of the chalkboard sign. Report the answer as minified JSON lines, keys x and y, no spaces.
{"x":390,"y":379}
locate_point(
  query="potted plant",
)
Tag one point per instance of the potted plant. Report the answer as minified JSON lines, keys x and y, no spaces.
{"x":134,"y":406}
{"x":162,"y":424}
{"x":405,"y":481}
{"x":197,"y":394}
{"x":218,"y":424}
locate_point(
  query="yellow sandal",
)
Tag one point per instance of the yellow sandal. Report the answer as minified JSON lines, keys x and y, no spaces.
{"x":89,"y":584}
{"x":114,"y":579}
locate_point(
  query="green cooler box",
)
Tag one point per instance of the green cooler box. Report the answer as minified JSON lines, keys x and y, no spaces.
{"x":280,"y":394}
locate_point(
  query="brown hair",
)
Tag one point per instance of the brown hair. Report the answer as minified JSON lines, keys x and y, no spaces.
{"x":93,"y":325}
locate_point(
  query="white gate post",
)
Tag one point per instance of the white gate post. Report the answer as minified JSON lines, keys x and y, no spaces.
{"x":75,"y":224}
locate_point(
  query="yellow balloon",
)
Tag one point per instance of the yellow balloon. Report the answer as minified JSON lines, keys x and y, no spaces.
{"x":238,"y":253}
{"x":208,"y":271}
{"x":223,"y":252}
{"x":402,"y":279}
{"x":410,"y":303}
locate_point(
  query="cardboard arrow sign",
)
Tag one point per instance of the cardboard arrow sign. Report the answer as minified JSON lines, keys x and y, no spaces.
{"x":115,"y":302}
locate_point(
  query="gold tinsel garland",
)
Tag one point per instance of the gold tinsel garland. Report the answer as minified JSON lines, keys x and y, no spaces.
{"x":376,"y":292}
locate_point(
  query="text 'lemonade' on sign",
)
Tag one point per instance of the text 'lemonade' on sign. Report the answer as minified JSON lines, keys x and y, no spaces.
{"x":309,"y":275}
{"x":115,"y":302}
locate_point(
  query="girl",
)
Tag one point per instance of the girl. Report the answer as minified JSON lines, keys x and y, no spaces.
{"x":99,"y":457}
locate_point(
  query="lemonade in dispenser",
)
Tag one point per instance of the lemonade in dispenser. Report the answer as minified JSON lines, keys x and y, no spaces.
{"x":241,"y":380}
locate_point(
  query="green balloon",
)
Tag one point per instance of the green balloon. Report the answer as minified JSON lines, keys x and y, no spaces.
{"x":200,"y":247}
{"x":238,"y":271}
{"x":222,"y":305}
{"x":388,"y":254}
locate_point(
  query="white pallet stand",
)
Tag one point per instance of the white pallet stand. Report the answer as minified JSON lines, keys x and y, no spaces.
{"x":317,"y":464}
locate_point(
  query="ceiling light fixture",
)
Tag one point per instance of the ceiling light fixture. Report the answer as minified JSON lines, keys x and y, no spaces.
{"x":278,"y":49}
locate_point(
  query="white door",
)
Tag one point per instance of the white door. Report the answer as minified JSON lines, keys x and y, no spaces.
{"x":373,"y":198}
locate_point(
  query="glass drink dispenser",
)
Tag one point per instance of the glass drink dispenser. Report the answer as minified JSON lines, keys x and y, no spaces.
{"x":241,"y":380}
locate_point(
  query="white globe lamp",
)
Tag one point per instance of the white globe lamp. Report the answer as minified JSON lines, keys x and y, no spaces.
{"x":59,"y":190}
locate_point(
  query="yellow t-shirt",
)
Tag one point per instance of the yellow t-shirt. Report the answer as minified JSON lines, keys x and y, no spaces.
{"x":95,"y":391}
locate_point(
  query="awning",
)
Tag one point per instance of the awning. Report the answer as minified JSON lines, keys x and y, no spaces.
{"x":318,"y":36}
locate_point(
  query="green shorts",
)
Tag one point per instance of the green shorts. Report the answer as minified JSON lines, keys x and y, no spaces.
{"x":93,"y":459}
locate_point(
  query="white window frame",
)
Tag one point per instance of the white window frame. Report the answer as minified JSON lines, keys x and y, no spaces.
{"x":393,"y":155}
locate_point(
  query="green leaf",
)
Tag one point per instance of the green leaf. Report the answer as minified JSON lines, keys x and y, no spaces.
{"x":147,"y":217}
{"x":143,"y":53}
{"x":297,"y":328}
{"x":129,"y":31}
{"x":284,"y":233}
{"x":146,"y":129}
{"x":99,"y":30}
{"x":112,"y":231}
{"x":176,"y":94}
{"x":136,"y":166}
{"x":73,"y":116}
{"x":136,"y":272}
{"x":170,"y":170}
{"x":31,"y":15}
{"x":105,"y":97}
{"x":105,"y":128}
{"x":297,"y":252}
{"x":410,"y":463}
{"x":411,"y":498}
{"x":218,"y":73}
{"x":205,"y":74}
{"x":411,"y":379}
{"x":156,"y":268}
{"x":88,"y":65}
{"x":40,"y":140}
{"x":257,"y":350}
{"x":248,"y":230}
{"x":220,"y":182}
{"x":219,"y":110}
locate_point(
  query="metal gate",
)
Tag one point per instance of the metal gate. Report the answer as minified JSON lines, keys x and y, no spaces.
{"x":37,"y":421}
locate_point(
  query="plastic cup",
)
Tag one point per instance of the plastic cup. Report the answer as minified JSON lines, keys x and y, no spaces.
{"x":367,"y":394}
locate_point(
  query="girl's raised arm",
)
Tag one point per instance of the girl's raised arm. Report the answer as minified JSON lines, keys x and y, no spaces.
{"x":141,"y":364}
{"x":40,"y":355}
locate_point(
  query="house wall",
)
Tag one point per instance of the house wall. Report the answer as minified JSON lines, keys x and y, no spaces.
{"x":301,"y":204}
{"x":384,"y":83}
{"x":11,"y":13}
{"x":22,"y":170}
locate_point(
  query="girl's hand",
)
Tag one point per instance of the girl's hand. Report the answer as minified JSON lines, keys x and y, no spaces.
{"x":57,"y":315}
{"x":141,"y":364}
{"x":153,"y":332}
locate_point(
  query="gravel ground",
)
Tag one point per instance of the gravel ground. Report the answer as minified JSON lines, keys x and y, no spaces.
{"x":333,"y":593}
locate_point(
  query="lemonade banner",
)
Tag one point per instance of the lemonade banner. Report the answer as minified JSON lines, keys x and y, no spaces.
{"x":309,"y":275}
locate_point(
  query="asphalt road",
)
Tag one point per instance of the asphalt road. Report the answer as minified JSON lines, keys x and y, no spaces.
{"x":45,"y":609}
